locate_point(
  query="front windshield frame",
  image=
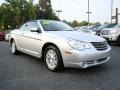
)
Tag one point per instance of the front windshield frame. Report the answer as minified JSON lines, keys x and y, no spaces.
{"x":55,"y":26}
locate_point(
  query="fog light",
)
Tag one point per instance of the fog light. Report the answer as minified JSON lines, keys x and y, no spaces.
{"x":108,"y":58}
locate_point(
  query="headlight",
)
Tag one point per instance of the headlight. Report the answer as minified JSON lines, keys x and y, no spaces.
{"x":113,"y":33}
{"x":78,"y":45}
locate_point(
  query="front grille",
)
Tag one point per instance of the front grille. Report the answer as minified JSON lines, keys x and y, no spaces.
{"x":105,"y":32}
{"x":100,"y":45}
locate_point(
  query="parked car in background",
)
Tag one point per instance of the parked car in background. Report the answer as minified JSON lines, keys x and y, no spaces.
{"x":82,"y":28}
{"x":91,"y":29}
{"x":112,"y":34}
{"x":59,"y":45}
{"x":2,"y":35}
{"x":76,"y":28}
{"x":107,"y":25}
{"x":7,"y":35}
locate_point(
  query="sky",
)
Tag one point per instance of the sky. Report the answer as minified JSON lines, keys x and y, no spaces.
{"x":76,"y":9}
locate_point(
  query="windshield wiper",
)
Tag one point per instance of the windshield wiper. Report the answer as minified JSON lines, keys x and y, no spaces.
{"x":51,"y":30}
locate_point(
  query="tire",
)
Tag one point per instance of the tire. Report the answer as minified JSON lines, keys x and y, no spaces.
{"x":118,"y":41}
{"x":53,"y":59}
{"x":109,"y":42}
{"x":13,"y":48}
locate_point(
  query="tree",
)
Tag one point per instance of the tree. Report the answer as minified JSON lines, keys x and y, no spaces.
{"x":75,"y":23}
{"x":97,"y":23}
{"x":46,"y":10}
{"x":19,"y":9}
{"x":1,"y":17}
{"x":7,"y":16}
{"x":32,"y":9}
{"x":65,"y":21}
{"x":83,"y":23}
{"x":15,"y":12}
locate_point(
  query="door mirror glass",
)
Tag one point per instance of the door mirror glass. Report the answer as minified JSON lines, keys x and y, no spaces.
{"x":34,"y":30}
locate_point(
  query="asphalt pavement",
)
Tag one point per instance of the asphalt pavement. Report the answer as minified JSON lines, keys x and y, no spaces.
{"x":24,"y":72}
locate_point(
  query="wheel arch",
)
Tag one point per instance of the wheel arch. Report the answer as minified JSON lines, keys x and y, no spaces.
{"x":118,"y":36}
{"x":49,"y":44}
{"x":11,"y":40}
{"x":61,"y":62}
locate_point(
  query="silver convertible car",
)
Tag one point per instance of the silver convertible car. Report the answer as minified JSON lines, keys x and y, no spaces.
{"x":59,"y":45}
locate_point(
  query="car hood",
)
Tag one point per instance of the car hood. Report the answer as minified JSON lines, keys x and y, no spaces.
{"x":109,"y":29}
{"x":77,"y":36}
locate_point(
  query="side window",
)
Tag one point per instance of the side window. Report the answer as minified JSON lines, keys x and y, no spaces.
{"x":29,"y":25}
{"x":24,"y":27}
{"x":34,"y":25}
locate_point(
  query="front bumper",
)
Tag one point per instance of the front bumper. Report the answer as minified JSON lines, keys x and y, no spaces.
{"x":87,"y":64}
{"x":86,"y":58}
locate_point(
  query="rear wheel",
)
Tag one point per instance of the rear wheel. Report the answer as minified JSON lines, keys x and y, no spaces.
{"x":53,"y":58}
{"x":13,"y":48}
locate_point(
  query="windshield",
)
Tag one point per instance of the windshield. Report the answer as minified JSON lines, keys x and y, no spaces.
{"x":112,"y":25}
{"x":106,"y":26}
{"x":93,"y":27}
{"x":55,"y":26}
{"x":117,"y":26}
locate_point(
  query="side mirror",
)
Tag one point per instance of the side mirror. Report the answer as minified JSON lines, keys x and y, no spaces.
{"x":34,"y":30}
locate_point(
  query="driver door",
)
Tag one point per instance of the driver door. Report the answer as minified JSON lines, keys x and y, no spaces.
{"x":30,"y":41}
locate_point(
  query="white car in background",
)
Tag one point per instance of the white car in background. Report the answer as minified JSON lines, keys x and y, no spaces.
{"x":7,"y":35}
{"x":92,"y":29}
{"x":82,"y":29}
{"x":59,"y":45}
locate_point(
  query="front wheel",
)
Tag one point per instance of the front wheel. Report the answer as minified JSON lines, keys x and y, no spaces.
{"x":53,"y":58}
{"x":13,"y":48}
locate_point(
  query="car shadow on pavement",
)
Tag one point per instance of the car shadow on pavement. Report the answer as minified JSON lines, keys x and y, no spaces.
{"x":94,"y":69}
{"x":30,"y":59}
{"x":113,"y":44}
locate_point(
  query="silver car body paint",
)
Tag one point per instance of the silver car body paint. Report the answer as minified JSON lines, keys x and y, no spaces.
{"x":33,"y":42}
